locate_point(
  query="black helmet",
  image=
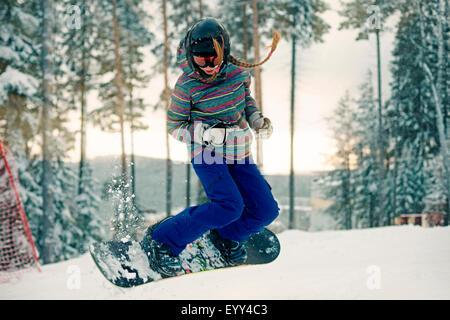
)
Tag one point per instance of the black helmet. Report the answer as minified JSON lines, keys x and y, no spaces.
{"x":199,"y":40}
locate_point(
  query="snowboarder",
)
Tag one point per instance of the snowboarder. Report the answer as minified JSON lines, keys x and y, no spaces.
{"x":212,"y":111}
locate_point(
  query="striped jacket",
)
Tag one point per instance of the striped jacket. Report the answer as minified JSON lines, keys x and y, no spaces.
{"x":227,"y":98}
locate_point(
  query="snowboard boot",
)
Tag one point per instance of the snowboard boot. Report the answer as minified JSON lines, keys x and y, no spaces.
{"x":159,"y":255}
{"x":233,"y":252}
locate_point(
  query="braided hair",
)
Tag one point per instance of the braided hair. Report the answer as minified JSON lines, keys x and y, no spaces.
{"x":219,"y":49}
{"x":276,"y":38}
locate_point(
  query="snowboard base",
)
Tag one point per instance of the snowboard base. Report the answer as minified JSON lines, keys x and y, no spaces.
{"x":126,"y":265}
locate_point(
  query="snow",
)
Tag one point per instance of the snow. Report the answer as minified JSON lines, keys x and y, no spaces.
{"x":14,"y":79}
{"x":28,"y":23}
{"x":398,"y":262}
{"x":7,"y":54}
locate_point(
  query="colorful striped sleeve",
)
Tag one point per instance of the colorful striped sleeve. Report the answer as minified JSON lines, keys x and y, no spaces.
{"x":250,"y":103}
{"x":179,"y":123}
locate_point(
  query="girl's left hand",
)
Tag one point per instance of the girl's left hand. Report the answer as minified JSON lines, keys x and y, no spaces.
{"x":265,"y":130}
{"x":261,"y":125}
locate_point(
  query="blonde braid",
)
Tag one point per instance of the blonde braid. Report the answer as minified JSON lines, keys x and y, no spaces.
{"x":275,"y":40}
{"x":220,"y":51}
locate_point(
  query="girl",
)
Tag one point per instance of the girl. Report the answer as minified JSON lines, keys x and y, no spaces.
{"x":211,"y":110}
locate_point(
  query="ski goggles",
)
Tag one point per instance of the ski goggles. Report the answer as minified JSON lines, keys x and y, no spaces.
{"x":204,"y":62}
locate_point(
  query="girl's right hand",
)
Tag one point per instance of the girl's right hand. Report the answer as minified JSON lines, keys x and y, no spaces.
{"x":216,"y":136}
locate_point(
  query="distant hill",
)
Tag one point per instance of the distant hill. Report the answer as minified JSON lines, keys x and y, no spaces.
{"x":151,"y":181}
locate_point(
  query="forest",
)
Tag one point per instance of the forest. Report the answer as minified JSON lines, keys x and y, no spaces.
{"x":392,"y":157}
{"x":392,"y":152}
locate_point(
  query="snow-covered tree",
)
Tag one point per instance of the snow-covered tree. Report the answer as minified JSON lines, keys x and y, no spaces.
{"x":62,"y":238}
{"x":434,"y":15}
{"x":338,"y":184}
{"x":19,"y":76}
{"x":135,"y":77}
{"x":19,"y":85}
{"x":415,"y":139}
{"x":436,"y":191}
{"x":87,"y":211}
{"x":120,"y":74}
{"x":301,"y":24}
{"x":237,"y":17}
{"x":364,"y":14}
{"x":366,"y":151}
{"x":79,"y":43}
{"x":410,"y":187}
{"x":34,"y":109}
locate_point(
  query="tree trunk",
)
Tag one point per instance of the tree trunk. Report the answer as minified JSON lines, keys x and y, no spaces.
{"x":244,"y":28}
{"x":292,"y":124}
{"x":442,"y":137}
{"x":118,"y":82}
{"x":348,"y":193}
{"x":441,"y":92}
{"x":132,"y":158}
{"x":122,"y":212}
{"x":258,"y":93}
{"x":397,"y":154}
{"x":445,"y":99}
{"x":381,"y":155}
{"x":47,"y":177}
{"x":167,"y":98}
{"x":83,"y":101}
{"x":130,"y":108}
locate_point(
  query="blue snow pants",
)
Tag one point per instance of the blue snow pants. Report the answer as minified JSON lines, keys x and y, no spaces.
{"x":241,"y":204}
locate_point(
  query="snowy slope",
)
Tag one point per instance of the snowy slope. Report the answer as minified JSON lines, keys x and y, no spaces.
{"x":402,"y":262}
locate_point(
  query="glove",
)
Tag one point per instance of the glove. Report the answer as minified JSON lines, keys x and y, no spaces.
{"x":261,"y":125}
{"x":212,"y":135}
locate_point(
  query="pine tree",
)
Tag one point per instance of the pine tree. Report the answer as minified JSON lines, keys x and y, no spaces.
{"x":366,"y":172}
{"x":63,"y":238}
{"x":31,"y":193}
{"x":36,"y":114}
{"x":415,"y":138}
{"x":47,"y":231}
{"x":299,"y":22}
{"x":59,"y":232}
{"x":87,"y":212}
{"x":18,"y":74}
{"x":436,"y":191}
{"x":368,"y":17}
{"x":120,"y":59}
{"x":411,"y":120}
{"x":411,"y":181}
{"x":439,"y":31}
{"x":79,"y":57}
{"x":79,"y":43}
{"x":338,"y":184}
{"x":19,"y":83}
{"x":237,"y":17}
{"x":19,"y":77}
{"x":134,"y":77}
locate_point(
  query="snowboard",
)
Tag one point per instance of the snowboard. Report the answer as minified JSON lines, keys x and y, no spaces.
{"x":125,"y":264}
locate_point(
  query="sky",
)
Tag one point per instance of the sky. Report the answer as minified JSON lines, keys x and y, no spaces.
{"x":325,"y":71}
